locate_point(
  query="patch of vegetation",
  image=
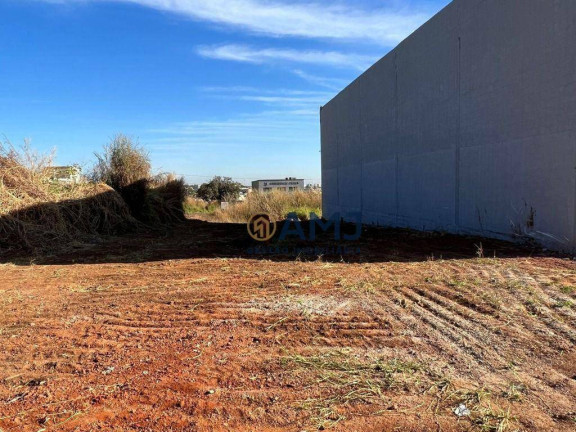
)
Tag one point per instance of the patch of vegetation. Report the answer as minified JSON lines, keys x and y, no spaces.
{"x":199,"y":206}
{"x":532,"y":306}
{"x":515,"y":392}
{"x":358,"y":286}
{"x":560,"y":303}
{"x":122,"y":163}
{"x":304,"y":212}
{"x":484,"y":415}
{"x":492,"y":300}
{"x":514,"y":285}
{"x":347,"y":379}
{"x":457,"y":283}
{"x":277,"y":204}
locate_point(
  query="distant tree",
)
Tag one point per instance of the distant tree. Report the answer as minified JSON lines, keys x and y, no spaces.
{"x":208,"y":191}
{"x":219,"y":189}
{"x":190,"y":190}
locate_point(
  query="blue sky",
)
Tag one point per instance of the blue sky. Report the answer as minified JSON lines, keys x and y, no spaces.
{"x":209,"y":87}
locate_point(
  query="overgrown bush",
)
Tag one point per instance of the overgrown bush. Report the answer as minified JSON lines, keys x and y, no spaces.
{"x":276,"y":204}
{"x":122,"y":163}
{"x":125,"y":166}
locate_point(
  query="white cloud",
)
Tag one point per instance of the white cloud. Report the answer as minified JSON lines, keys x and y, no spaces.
{"x":283,"y":101}
{"x":309,"y":19}
{"x":330,"y":83}
{"x":238,"y":132}
{"x":247,"y":54}
{"x":235,"y":90}
{"x":286,"y":109}
{"x":287,"y":101}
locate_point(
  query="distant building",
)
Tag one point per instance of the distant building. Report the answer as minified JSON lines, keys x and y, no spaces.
{"x":66,"y":174}
{"x":289,"y":184}
{"x":244,"y":192}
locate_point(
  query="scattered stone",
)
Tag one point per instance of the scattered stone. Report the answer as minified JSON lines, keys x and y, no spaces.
{"x":462,"y":411}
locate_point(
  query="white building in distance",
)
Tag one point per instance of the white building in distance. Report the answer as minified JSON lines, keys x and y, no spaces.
{"x":289,"y":184}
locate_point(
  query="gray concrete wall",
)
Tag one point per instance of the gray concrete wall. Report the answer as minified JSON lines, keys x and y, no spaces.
{"x":468,"y":126}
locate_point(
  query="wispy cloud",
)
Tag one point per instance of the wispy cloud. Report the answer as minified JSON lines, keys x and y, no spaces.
{"x":282,"y":109}
{"x":283,"y":101}
{"x":247,"y":54}
{"x":329,"y":83}
{"x":244,"y":135}
{"x":261,"y":126}
{"x":231,"y":90}
{"x":287,"y":101}
{"x":310,"y":19}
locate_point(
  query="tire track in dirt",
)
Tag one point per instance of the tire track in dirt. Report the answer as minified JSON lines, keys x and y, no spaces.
{"x":476,"y":338}
{"x":462,"y":345}
{"x":419,"y":322}
{"x":496,"y":279}
{"x":505,"y":321}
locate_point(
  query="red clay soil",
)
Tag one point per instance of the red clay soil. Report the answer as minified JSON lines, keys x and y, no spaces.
{"x":189,"y":332}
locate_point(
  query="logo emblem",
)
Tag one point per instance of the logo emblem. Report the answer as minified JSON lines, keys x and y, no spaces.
{"x":261,"y":228}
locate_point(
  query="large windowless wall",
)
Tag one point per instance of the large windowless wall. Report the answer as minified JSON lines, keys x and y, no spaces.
{"x":469,"y":125}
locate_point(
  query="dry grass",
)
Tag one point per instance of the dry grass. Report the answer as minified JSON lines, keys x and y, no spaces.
{"x":277,"y":204}
{"x":125,"y":166}
{"x":164,"y":198}
{"x":36,"y":213}
{"x":485,"y":414}
{"x":345,"y":380}
{"x":123,"y":162}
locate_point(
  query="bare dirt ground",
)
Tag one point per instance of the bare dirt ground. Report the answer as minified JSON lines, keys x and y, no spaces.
{"x":187,"y":332}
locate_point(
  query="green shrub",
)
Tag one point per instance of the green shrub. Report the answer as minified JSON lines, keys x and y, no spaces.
{"x":219,"y":189}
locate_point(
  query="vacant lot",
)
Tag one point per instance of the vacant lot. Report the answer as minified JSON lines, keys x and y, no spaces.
{"x":189,"y":332}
